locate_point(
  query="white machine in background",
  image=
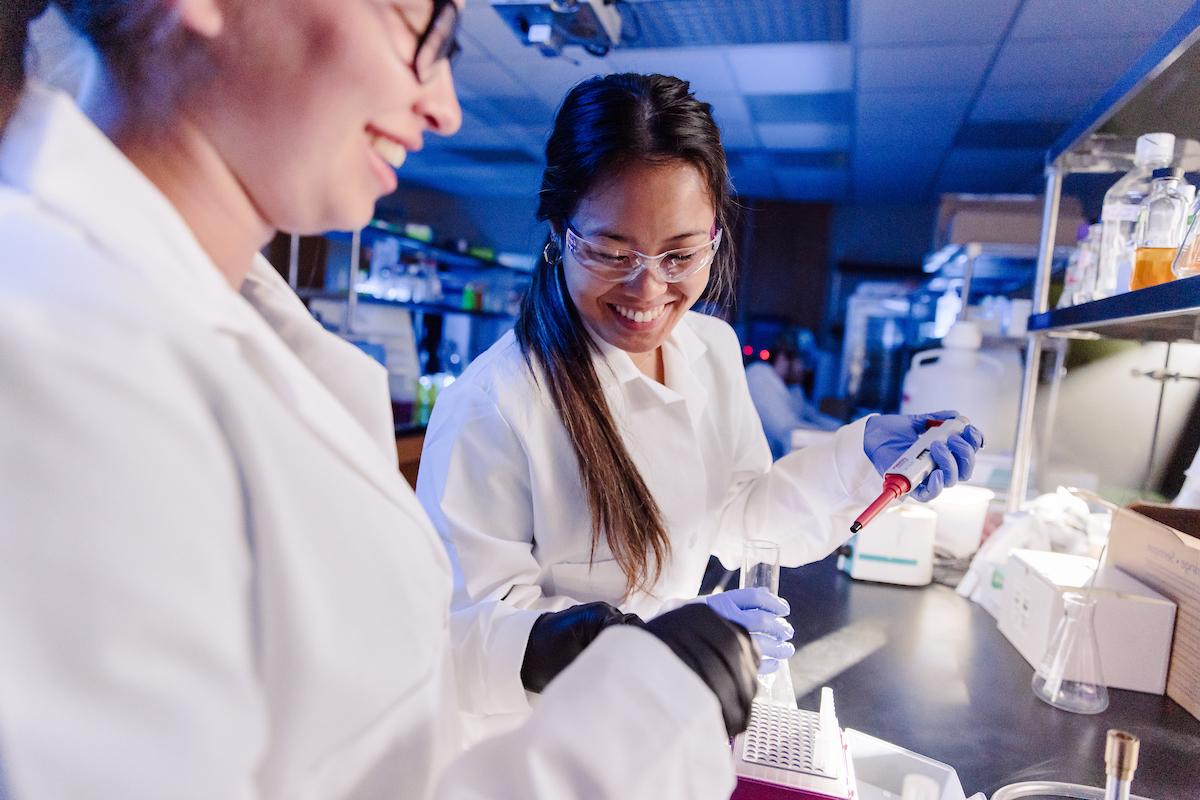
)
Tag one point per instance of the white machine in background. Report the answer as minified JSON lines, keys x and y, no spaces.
{"x":897,"y":547}
{"x":550,"y":25}
{"x":979,"y":385}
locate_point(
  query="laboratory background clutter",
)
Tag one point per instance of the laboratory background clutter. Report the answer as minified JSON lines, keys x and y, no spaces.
{"x":985,"y":207}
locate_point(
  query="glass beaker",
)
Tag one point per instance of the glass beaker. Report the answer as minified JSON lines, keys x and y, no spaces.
{"x":760,"y":567}
{"x":1069,"y":676}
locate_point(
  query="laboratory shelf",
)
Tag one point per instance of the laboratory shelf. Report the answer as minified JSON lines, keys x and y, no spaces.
{"x":443,"y":255}
{"x":1165,"y":313}
{"x":988,"y":268}
{"x":428,"y":308}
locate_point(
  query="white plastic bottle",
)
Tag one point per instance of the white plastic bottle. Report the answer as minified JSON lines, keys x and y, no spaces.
{"x":958,"y":376}
{"x":1120,"y":212}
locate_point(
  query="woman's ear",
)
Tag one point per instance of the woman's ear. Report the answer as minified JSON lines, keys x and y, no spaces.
{"x":556,"y":228}
{"x":201,"y":17}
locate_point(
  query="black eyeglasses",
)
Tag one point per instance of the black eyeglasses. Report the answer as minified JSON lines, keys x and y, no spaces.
{"x":438,"y":42}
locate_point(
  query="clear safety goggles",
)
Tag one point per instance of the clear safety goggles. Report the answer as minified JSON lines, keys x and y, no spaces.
{"x":618,"y":265}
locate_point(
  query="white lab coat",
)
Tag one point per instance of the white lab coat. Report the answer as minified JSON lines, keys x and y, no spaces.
{"x":781,"y":409}
{"x":499,"y":479}
{"x":213,"y":581}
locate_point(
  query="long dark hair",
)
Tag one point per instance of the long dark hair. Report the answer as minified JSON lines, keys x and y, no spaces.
{"x":604,"y":124}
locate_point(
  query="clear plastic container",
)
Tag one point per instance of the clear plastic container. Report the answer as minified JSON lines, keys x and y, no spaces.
{"x":1080,"y":284}
{"x":1187,"y":261}
{"x":1160,"y":229}
{"x":1119,"y":215}
{"x":1070,"y":677}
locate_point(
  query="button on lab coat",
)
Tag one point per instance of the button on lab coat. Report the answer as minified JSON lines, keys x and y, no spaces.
{"x":213,"y":580}
{"x":500,"y":481}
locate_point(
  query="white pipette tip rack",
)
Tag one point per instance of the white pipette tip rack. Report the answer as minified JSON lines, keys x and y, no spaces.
{"x":789,"y":754}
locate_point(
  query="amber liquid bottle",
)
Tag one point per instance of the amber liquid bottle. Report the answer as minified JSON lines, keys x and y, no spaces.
{"x":1161,"y":224}
{"x":1152,"y":266}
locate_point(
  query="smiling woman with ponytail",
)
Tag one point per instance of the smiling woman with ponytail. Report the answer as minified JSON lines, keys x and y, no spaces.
{"x":602,"y":451}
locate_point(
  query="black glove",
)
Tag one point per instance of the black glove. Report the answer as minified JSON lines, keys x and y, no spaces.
{"x":719,"y":651}
{"x":558,"y":637}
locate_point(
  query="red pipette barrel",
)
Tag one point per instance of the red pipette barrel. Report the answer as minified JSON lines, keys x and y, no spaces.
{"x":894,"y":487}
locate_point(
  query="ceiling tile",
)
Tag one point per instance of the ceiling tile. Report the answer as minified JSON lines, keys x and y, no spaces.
{"x":481,"y":75}
{"x":975,"y":170}
{"x":813,"y":184}
{"x":692,"y":22}
{"x":804,"y":68}
{"x":1087,"y":19}
{"x":1087,"y":63}
{"x":940,"y":107}
{"x":930,"y":21}
{"x":804,"y":136}
{"x":754,"y":183}
{"x":705,"y":68}
{"x":931,"y":66}
{"x":895,"y":188}
{"x":834,"y":107}
{"x":733,"y":118}
{"x":1015,"y":135}
{"x":1041,"y":103}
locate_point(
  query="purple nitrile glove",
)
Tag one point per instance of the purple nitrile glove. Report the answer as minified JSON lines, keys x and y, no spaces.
{"x":887,"y":436}
{"x":762,"y":614}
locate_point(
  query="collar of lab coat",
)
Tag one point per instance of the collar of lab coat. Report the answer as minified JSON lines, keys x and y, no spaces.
{"x":52,"y":150}
{"x":622,"y":379}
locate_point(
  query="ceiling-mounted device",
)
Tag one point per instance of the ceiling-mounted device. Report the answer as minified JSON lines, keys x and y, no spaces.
{"x":550,"y":25}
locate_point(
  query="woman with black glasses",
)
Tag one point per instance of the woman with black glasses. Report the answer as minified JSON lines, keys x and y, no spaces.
{"x":601,"y":452}
{"x":214,"y":582}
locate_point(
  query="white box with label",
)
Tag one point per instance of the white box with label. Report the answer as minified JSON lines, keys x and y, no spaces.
{"x":1134,"y":623}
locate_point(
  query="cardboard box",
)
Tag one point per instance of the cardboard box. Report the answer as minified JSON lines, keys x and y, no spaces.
{"x":1160,"y":546}
{"x":1133,"y":622}
{"x":1002,"y":219}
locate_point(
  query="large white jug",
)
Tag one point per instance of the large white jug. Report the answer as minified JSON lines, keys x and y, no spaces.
{"x":957,"y":376}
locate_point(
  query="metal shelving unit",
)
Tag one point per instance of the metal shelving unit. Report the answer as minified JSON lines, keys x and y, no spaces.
{"x":1159,"y":93}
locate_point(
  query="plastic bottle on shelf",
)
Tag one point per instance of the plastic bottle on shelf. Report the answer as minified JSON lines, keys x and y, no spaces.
{"x":1160,"y":230}
{"x":1076,"y":264}
{"x":1089,"y":264}
{"x":1119,"y":215}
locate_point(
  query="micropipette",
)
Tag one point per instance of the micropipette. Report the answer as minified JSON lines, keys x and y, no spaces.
{"x":911,"y":468}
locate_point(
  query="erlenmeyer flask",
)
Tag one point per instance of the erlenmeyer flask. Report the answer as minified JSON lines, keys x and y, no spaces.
{"x":1069,"y":676}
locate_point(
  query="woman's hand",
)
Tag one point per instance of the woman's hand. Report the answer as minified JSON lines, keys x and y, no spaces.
{"x":761,"y":613}
{"x":558,"y":637}
{"x":887,"y":436}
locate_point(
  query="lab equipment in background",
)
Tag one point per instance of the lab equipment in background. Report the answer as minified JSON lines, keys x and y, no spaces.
{"x":897,"y":548}
{"x":1132,"y":626}
{"x":1073,"y":652}
{"x":1079,"y":285}
{"x":1160,"y":229}
{"x":1060,"y":522}
{"x":959,"y":376}
{"x":1120,"y":764}
{"x":961,"y":513}
{"x":911,"y":468}
{"x":792,"y":754}
{"x":760,"y":567}
{"x":1119,"y":215}
{"x":873,"y":349}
